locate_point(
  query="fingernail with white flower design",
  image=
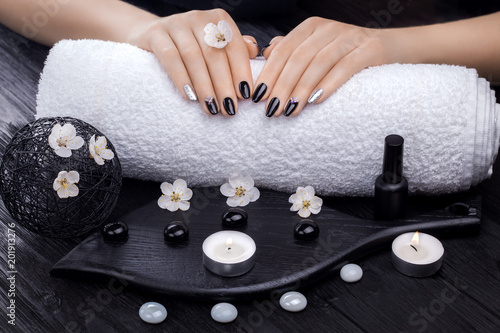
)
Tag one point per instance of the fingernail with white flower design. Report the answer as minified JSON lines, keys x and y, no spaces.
{"x":304,"y":202}
{"x":175,"y":196}
{"x":240,"y":191}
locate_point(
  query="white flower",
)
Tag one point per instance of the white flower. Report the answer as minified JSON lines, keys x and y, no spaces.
{"x":218,"y":35}
{"x":175,"y":196}
{"x":63,"y":139}
{"x":64,"y":184}
{"x":240,"y":191}
{"x":99,"y":149}
{"x":305,"y":202}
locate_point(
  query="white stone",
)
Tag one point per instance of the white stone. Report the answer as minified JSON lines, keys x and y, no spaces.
{"x":152,"y":312}
{"x":351,"y":273}
{"x":293,"y":301}
{"x":224,"y":312}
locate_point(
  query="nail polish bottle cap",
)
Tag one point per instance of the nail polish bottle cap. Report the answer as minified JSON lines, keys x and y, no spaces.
{"x":392,"y":170}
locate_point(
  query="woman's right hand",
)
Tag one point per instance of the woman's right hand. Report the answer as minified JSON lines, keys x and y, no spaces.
{"x":216,"y":77}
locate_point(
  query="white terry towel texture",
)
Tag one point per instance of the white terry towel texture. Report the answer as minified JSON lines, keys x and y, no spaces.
{"x":447,"y":116}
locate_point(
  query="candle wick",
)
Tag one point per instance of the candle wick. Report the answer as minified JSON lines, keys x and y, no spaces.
{"x":414,"y":247}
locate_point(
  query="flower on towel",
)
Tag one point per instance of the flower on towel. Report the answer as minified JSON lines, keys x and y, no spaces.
{"x":63,"y":139}
{"x":240,"y":191}
{"x":99,"y":149}
{"x":65,"y":182}
{"x":175,"y":196}
{"x":218,"y":35}
{"x":305,"y":202}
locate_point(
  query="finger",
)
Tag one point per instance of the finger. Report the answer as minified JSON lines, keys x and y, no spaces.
{"x":220,"y":73}
{"x":294,"y":68}
{"x":278,"y":56}
{"x":239,"y":62}
{"x":252,"y":46}
{"x":165,"y":50}
{"x":192,"y":57}
{"x":266,"y":51}
{"x":307,"y":88}
{"x":345,"y":68}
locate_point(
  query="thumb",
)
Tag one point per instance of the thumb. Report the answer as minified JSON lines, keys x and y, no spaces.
{"x":266,"y":51}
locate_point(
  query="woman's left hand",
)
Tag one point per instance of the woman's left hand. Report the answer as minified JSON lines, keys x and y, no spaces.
{"x":314,"y":60}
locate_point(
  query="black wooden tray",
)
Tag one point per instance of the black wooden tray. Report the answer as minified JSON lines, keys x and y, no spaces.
{"x":282,"y":262}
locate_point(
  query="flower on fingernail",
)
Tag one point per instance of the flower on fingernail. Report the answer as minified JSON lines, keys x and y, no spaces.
{"x":63,"y":139}
{"x":99,"y":149}
{"x":65,"y":182}
{"x":240,"y":191}
{"x":218,"y":35}
{"x":175,"y":196}
{"x":304,"y":202}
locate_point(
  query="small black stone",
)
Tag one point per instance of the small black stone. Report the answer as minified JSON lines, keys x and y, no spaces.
{"x":115,"y":231}
{"x":234,"y":217}
{"x":175,"y":232}
{"x":306,"y":230}
{"x":463,"y":209}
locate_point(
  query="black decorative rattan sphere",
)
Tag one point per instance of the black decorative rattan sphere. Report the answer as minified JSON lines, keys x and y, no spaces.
{"x":30,"y":167}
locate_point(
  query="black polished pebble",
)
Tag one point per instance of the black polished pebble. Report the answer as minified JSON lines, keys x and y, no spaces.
{"x":306,"y":230}
{"x":115,"y":232}
{"x":176,"y":232}
{"x":234,"y":217}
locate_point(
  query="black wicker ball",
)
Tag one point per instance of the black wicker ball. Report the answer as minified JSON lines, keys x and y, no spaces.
{"x":30,"y":167}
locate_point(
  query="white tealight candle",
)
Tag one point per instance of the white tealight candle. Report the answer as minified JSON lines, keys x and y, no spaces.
{"x":229,"y":253}
{"x":417,"y":254}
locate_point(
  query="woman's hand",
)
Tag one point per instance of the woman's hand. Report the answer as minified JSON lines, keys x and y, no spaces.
{"x":313,"y":61}
{"x":216,"y":77}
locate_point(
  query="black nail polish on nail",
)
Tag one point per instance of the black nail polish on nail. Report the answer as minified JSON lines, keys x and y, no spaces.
{"x":291,"y":106}
{"x":211,"y":105}
{"x":272,"y":107}
{"x":259,"y":92}
{"x":245,"y":89}
{"x":229,"y":106}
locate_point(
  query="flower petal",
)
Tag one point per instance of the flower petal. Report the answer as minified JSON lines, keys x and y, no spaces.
{"x":304,"y":212}
{"x":233,"y":201}
{"x":219,"y":44}
{"x":98,"y":159}
{"x":211,"y":40}
{"x":248,"y":182}
{"x":179,"y":185}
{"x":56,"y":130}
{"x":315,"y":210}
{"x":107,"y":154}
{"x":62,"y":174}
{"x":310,"y":190}
{"x":63,"y":152}
{"x":184,"y":205}
{"x":68,"y":132}
{"x":163,"y":200}
{"x":316,"y":202}
{"x":73,"y":177}
{"x":211,"y":29}
{"x":253,"y":194}
{"x":172,"y":206}
{"x":92,"y":140}
{"x":296,"y":206}
{"x":294,"y":197}
{"x":227,"y":190}
{"x":236,"y":180}
{"x":62,"y":192}
{"x":57,"y":184}
{"x":101,"y":142}
{"x":225,"y":29}
{"x":244,"y":200}
{"x":53,"y":141}
{"x":92,"y":150}
{"x":73,"y":190}
{"x":167,"y":188}
{"x":186,"y":194}
{"x":75,"y":143}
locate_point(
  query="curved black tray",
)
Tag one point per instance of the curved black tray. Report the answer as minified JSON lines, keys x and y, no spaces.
{"x":282,"y":262}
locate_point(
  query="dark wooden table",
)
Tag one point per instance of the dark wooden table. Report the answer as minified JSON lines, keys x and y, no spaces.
{"x":463,"y":297}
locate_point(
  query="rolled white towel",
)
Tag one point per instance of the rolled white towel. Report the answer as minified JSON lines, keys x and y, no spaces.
{"x":447,"y":116}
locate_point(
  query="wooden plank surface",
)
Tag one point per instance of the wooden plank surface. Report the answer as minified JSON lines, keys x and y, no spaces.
{"x":462,"y":297}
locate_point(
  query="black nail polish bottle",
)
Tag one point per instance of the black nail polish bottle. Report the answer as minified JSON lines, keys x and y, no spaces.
{"x":391,"y":187}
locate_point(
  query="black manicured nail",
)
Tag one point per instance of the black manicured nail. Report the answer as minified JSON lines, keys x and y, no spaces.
{"x":272,"y":107}
{"x":245,"y":89}
{"x":291,"y":106}
{"x":211,"y":105}
{"x":229,"y":106}
{"x":259,"y":92}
